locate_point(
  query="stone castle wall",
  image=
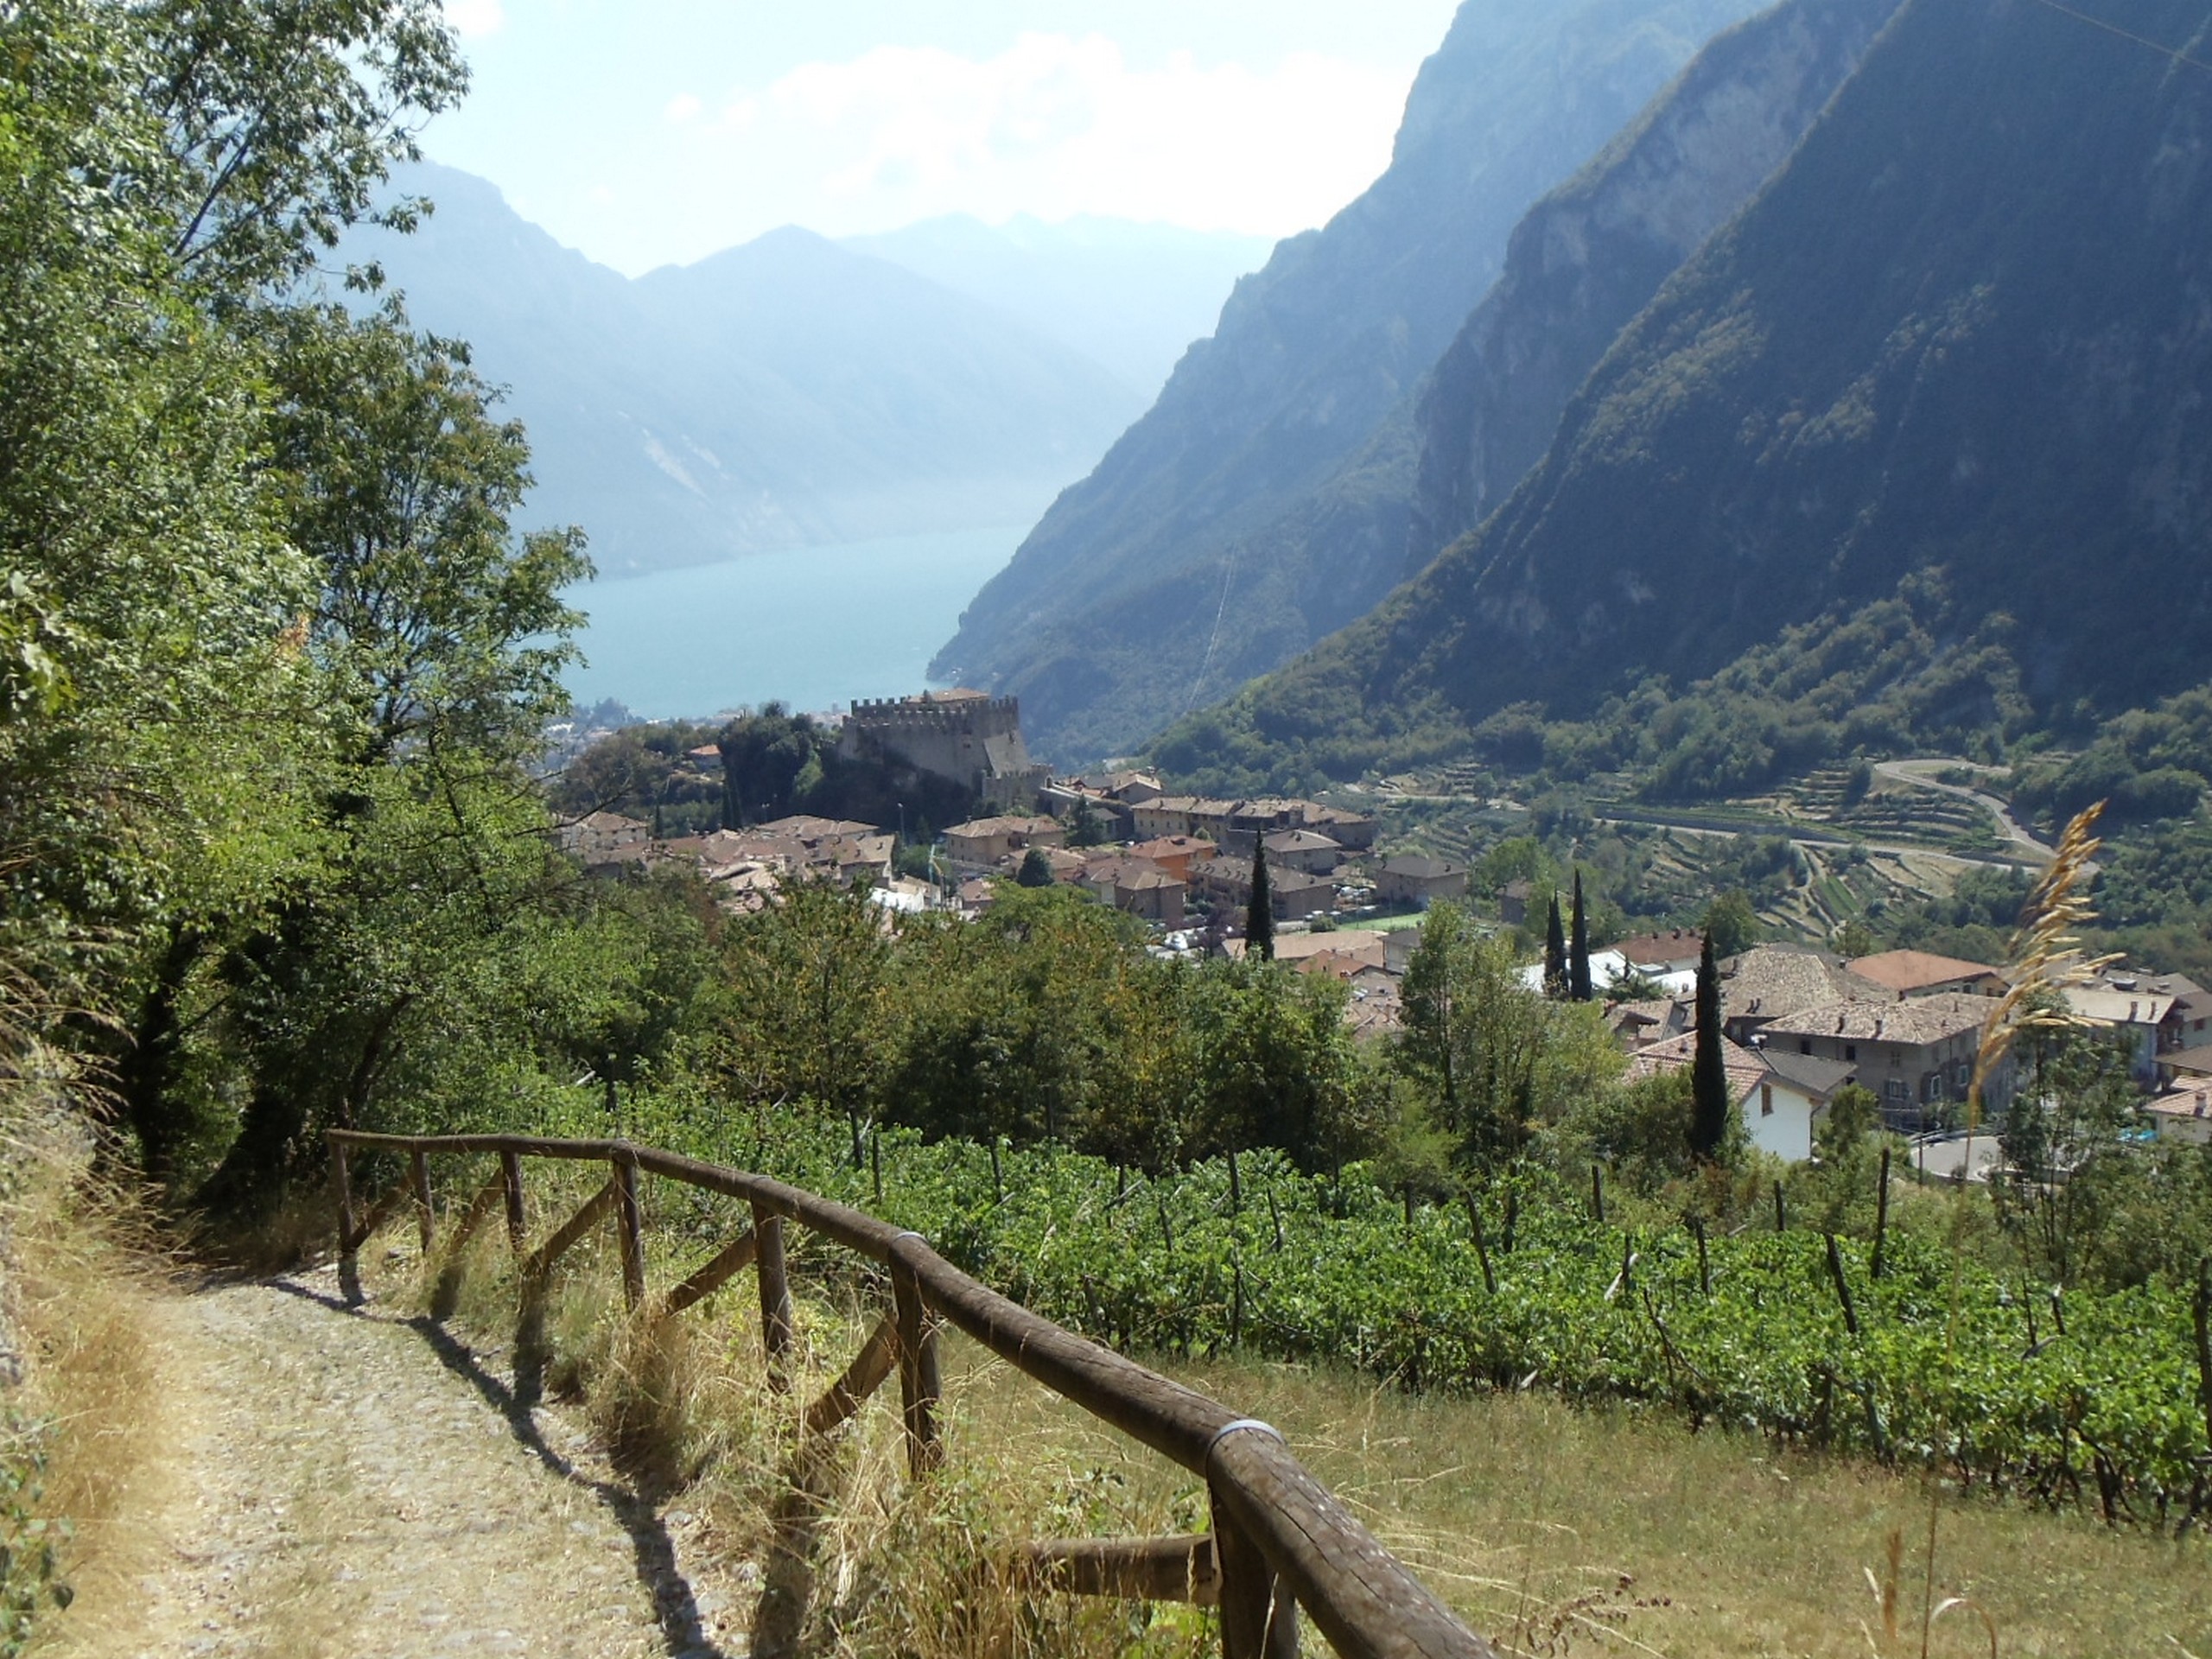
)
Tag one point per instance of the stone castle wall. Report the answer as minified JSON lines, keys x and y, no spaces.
{"x":974,"y":741}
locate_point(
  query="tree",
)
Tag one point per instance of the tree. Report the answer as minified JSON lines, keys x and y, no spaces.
{"x":1036,"y":870}
{"x":1259,"y":914}
{"x":1578,"y":963}
{"x":1554,"y":955}
{"x":1732,"y":924}
{"x":1492,"y":1057}
{"x":1710,"y":1107}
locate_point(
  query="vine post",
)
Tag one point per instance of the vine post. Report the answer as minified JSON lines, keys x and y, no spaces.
{"x":1881,"y":1217}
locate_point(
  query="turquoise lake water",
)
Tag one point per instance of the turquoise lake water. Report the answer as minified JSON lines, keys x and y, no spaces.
{"x":813,"y":626}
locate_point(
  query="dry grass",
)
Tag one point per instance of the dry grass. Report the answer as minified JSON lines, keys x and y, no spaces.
{"x":1552,"y":1529}
{"x":80,"y":1275}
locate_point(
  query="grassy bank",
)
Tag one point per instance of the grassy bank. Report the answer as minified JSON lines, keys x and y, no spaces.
{"x":1550,"y":1526}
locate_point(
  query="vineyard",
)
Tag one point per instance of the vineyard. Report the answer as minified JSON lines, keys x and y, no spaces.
{"x":2088,"y":1399}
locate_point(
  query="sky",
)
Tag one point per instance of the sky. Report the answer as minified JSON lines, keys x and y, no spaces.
{"x":646,"y":132}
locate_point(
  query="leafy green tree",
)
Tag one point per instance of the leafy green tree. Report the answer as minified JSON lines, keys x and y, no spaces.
{"x":1555,"y":967}
{"x":1036,"y":870}
{"x":1492,"y":1057}
{"x":1259,"y":912}
{"x":1710,"y":1106}
{"x":1272,"y":1064}
{"x":2070,"y":1160}
{"x":1732,"y":924}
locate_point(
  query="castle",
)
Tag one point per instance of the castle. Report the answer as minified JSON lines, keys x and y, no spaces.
{"x":970,"y":737}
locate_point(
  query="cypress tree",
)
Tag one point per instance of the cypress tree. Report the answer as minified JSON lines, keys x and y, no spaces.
{"x":1708,"y":1076}
{"x":1554,"y":954}
{"x":1578,"y":959}
{"x":1260,"y":914}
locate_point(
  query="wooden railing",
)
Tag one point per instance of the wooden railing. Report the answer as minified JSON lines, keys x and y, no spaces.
{"x":1279,"y":1541}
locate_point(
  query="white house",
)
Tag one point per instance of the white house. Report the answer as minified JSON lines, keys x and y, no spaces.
{"x":1780,"y":1112}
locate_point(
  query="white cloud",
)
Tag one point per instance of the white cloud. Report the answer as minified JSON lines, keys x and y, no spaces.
{"x":1055,"y":125}
{"x":475,"y":18}
{"x":684,"y":106}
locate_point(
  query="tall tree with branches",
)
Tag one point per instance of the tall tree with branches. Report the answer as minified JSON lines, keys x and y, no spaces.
{"x":1709,"y":1102}
{"x":1554,"y":955}
{"x":1578,"y":957}
{"x":1260,"y":914}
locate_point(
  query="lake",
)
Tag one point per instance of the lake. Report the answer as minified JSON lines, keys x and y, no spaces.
{"x":811,"y":626}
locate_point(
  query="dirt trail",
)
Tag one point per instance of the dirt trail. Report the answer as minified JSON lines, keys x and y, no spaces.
{"x":349,"y":1484}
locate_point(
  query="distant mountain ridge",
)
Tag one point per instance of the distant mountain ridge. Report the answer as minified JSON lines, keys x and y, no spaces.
{"x":1131,"y":296}
{"x":787,"y":393}
{"x":1954,"y":353}
{"x":1093,"y":624}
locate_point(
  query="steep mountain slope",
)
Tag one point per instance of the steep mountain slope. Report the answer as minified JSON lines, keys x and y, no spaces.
{"x":1592,"y":254}
{"x":1133,"y":297}
{"x":1312,"y":354}
{"x":786,"y":393}
{"x":1579,"y":267}
{"x":1960,"y":342}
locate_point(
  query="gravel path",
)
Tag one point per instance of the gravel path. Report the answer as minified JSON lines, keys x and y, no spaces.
{"x":353,"y":1484}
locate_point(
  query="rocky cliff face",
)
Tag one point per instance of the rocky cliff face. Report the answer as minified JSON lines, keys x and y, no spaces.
{"x":1960,"y":340}
{"x":1592,"y":254}
{"x":1104,"y":624}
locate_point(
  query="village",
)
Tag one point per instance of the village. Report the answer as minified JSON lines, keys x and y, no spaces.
{"x":1800,"y":1024}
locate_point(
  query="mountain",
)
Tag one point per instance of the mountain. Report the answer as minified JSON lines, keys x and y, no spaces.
{"x":1132,"y":296}
{"x":1950,"y":360}
{"x":1578,"y":268}
{"x":786,"y":393}
{"x":1092,"y":624}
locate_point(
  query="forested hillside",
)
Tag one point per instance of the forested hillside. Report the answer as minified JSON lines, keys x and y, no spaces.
{"x":1948,"y":358}
{"x":1102,"y":623}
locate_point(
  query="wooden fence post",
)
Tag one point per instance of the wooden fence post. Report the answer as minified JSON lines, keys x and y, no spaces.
{"x":1842,"y":1287}
{"x":1482,"y":1244}
{"x":517,"y":1217}
{"x":418,"y":1183}
{"x":1258,"y":1620}
{"x":920,"y":1387}
{"x":342,"y":1177}
{"x":629,"y":1227}
{"x":775,"y":1291}
{"x":1881,"y":1217}
{"x":2204,"y":1342}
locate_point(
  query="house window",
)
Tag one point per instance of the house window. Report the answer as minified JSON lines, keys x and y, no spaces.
{"x":1898,"y":1089}
{"x":1962,"y":1075}
{"x":1766,"y":1100}
{"x":1851,"y":1052}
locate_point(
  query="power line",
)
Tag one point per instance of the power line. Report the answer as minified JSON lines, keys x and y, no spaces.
{"x":2173,"y":52}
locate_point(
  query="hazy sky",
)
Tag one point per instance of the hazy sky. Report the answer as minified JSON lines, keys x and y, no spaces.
{"x":646,"y":132}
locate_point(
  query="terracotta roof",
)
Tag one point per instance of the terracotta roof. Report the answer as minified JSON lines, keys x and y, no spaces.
{"x":1913,"y":970}
{"x":1300,"y":841}
{"x":1421,"y":868}
{"x":1647,"y":949}
{"x":1773,"y":982}
{"x":1746,"y":1070}
{"x":1922,"y":1019}
{"x":979,"y":829}
{"x":1173,"y":846}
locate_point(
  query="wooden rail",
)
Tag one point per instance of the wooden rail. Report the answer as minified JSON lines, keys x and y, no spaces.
{"x":1279,"y":1540}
